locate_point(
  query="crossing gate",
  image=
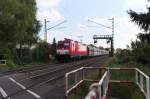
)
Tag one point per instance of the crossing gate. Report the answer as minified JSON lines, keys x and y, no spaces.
{"x":99,"y":90}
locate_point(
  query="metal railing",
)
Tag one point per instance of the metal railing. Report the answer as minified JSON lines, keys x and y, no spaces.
{"x":3,"y":62}
{"x":76,"y":82}
{"x":143,"y":85}
{"x":139,"y":78}
{"x":103,"y":85}
{"x":78,"y":76}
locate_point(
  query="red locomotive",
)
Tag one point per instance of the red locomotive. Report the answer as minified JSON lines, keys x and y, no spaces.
{"x":69,"y":49}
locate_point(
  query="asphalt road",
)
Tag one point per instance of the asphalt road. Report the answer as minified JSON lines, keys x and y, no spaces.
{"x":12,"y":86}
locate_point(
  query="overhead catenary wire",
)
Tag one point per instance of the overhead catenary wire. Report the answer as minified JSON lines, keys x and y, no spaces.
{"x":99,"y":24}
{"x":45,"y":36}
{"x":57,"y":25}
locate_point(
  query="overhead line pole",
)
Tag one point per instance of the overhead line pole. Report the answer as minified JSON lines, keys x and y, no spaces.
{"x":112,"y":45}
{"x":111,"y":36}
{"x":45,"y":28}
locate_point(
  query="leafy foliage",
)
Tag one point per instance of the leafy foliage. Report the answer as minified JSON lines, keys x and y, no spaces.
{"x":7,"y":56}
{"x":41,"y":52}
{"x":18,"y":24}
{"x":122,"y":56}
{"x":140,"y":49}
{"x":141,"y":52}
{"x":53,"y":48}
{"x":141,"y":19}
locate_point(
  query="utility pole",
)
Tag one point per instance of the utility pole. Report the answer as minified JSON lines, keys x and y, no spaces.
{"x":45,"y":28}
{"x":112,"y":40}
{"x":109,"y":37}
{"x":113,"y":36}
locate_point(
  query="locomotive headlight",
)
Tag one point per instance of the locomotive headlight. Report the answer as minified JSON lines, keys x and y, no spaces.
{"x":66,"y":44}
{"x":62,"y":52}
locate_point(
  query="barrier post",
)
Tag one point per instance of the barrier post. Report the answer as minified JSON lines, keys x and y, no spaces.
{"x":136,"y":76}
{"x":148,"y":87}
{"x":141,"y":81}
{"x":100,"y":92}
{"x":66,"y":81}
{"x":75,"y":83}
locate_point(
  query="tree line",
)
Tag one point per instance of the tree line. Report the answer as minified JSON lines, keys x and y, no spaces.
{"x":19,"y":29}
{"x":139,"y":50}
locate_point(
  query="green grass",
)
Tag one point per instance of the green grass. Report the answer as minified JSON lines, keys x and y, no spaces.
{"x":125,"y":91}
{"x":80,"y":92}
{"x":121,"y":91}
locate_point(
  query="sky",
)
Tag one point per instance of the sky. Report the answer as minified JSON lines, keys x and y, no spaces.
{"x":78,"y":12}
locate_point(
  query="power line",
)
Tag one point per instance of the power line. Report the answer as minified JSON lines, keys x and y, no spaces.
{"x":100,"y":24}
{"x":45,"y":24}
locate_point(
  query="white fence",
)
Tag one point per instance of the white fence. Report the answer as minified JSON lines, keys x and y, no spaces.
{"x":103,"y":85}
{"x":3,"y":62}
{"x":141,"y":79}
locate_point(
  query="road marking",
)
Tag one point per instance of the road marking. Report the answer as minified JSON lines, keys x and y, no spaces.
{"x":3,"y":93}
{"x":36,"y":95}
{"x":23,"y":87}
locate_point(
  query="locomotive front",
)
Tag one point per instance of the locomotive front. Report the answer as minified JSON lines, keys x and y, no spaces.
{"x":63,"y":49}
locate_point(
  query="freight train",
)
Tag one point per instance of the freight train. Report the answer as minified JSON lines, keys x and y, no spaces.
{"x":68,"y":49}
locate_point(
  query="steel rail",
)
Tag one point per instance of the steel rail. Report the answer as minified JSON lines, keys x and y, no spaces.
{"x":49,"y":80}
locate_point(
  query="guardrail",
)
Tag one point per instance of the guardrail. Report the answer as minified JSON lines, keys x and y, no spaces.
{"x":141,"y":79}
{"x":76,"y":82}
{"x":78,"y":76}
{"x":3,"y":62}
{"x":103,"y":85}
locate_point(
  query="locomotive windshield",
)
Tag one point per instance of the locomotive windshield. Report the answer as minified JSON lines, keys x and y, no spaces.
{"x":63,"y":45}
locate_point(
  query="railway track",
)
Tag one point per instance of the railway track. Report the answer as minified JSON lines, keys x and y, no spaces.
{"x":50,"y":74}
{"x":35,"y":67}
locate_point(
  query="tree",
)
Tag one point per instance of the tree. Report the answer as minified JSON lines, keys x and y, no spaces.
{"x":18,"y":23}
{"x":141,"y":47}
{"x":141,"y":19}
{"x":41,"y":52}
{"x":53,"y":48}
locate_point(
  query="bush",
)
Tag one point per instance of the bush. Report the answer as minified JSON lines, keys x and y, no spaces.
{"x":8,"y":56}
{"x":141,"y":52}
{"x":41,"y":52}
{"x":122,"y":56}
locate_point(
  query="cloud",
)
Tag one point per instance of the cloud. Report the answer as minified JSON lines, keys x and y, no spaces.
{"x":48,"y":3}
{"x":138,"y":5}
{"x":47,"y":9}
{"x":125,"y":31}
{"x":52,"y":15}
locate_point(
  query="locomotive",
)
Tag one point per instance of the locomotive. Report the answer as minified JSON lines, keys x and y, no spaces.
{"x":68,"y":49}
